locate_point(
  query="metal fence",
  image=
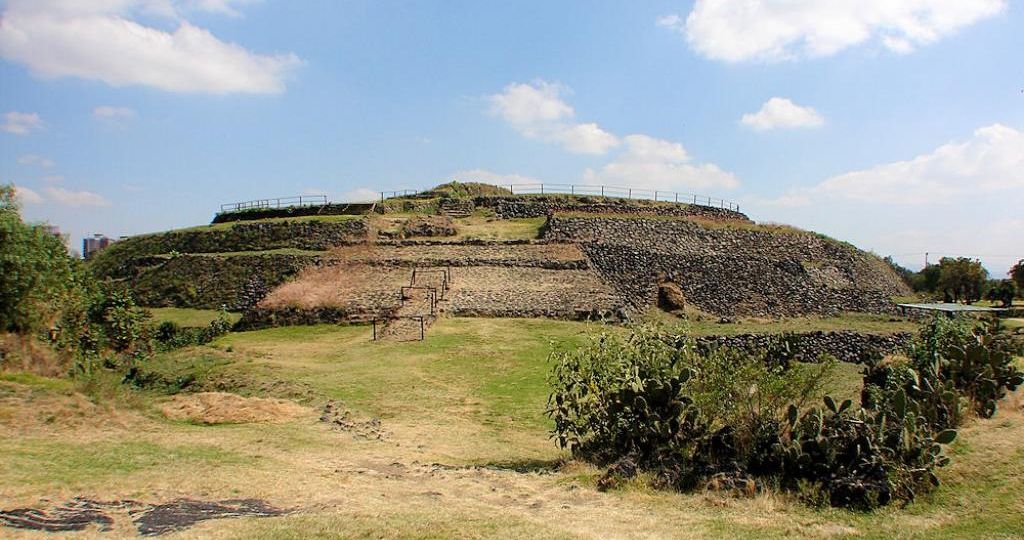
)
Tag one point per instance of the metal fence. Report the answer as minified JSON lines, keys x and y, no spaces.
{"x":277,"y":202}
{"x":599,"y":191}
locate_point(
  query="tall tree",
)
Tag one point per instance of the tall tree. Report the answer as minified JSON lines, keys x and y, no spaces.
{"x":962,"y":278}
{"x":37,"y":275}
{"x":1017,"y":275}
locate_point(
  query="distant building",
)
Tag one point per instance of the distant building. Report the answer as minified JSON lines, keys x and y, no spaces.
{"x":92,"y":245}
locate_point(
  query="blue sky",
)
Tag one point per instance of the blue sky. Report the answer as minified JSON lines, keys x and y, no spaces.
{"x":898,"y":126}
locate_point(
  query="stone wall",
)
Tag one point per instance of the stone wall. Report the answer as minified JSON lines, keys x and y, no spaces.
{"x":526,"y":291}
{"x":555,"y":256}
{"x":542,"y":205}
{"x":731,"y":270}
{"x":317,"y":235}
{"x":847,"y":346}
{"x":209,"y":282}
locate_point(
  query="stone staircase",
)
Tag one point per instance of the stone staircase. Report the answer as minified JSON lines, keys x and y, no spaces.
{"x":456,"y":208}
{"x":420,"y":305}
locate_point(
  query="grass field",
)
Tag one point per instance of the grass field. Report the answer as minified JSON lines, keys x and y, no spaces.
{"x":189,"y":317}
{"x":465,"y":451}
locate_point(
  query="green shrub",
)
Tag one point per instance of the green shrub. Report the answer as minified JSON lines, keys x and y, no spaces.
{"x":651,"y":402}
{"x":951,"y":361}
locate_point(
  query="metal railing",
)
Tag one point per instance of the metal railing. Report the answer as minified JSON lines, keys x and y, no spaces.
{"x":617,"y":192}
{"x":399,"y":193}
{"x":277,"y":202}
{"x":622,"y":193}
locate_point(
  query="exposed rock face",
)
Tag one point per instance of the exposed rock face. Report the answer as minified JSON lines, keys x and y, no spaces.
{"x":854,"y":347}
{"x":731,"y":270}
{"x":670,"y":296}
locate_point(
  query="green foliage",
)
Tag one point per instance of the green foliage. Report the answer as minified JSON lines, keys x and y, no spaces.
{"x":169,"y":335}
{"x":972,"y":358}
{"x":650,"y":401}
{"x":1001,"y":290}
{"x":37,"y":275}
{"x":961,"y":278}
{"x":1017,"y":275}
{"x":457,"y":190}
{"x":927,"y":280}
{"x":124,"y":324}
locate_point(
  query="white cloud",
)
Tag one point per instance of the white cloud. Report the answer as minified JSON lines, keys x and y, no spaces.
{"x":52,"y":179}
{"x":27,"y":196}
{"x":100,"y":41}
{"x":772,"y":30}
{"x":585,"y":139}
{"x":526,"y":105}
{"x":781,"y":113}
{"x":223,"y":7}
{"x":109,"y":112}
{"x":20,"y":123}
{"x":659,"y":164}
{"x":68,"y":197}
{"x":960,"y":199}
{"x":34,"y":160}
{"x":537,"y":111}
{"x":490,"y":177}
{"x":990,"y":161}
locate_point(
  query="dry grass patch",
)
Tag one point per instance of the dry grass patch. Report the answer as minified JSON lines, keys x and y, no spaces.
{"x":225,"y":408}
{"x":26,"y":353}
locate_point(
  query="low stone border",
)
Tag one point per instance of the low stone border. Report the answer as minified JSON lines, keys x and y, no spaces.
{"x":845,"y":345}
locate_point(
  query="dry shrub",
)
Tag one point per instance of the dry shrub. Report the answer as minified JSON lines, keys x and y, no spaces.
{"x":225,"y":408}
{"x":20,"y":352}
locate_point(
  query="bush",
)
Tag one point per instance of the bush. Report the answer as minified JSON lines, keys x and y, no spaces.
{"x":651,"y":402}
{"x":951,"y":361}
{"x":38,"y":277}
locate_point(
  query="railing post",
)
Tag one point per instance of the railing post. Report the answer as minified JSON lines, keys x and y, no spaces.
{"x":602,"y":191}
{"x":375,"y":330}
{"x":630,"y":193}
{"x":572,"y":189}
{"x":677,"y":197}
{"x":542,"y":189}
{"x":421,"y":328}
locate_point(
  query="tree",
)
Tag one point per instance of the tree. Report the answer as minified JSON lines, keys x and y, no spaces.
{"x":1001,"y":290}
{"x":961,"y":278}
{"x":37,"y":275}
{"x":1017,"y":275}
{"x":927,"y":280}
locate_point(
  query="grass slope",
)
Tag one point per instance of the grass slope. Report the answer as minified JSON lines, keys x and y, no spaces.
{"x":467,"y":453}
